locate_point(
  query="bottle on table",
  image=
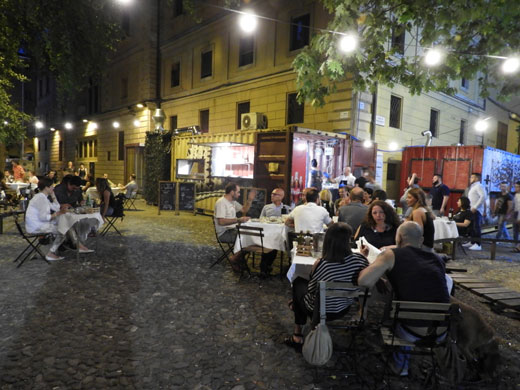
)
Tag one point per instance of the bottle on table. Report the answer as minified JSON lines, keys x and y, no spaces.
{"x":450,"y":214}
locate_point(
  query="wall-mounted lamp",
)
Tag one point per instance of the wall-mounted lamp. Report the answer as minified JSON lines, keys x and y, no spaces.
{"x":188,"y":129}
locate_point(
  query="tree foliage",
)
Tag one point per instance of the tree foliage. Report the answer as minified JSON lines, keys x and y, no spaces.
{"x":70,"y":39}
{"x":467,"y":30}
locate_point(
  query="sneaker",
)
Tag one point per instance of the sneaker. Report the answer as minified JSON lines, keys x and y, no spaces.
{"x":49,"y":258}
{"x":475,"y":247}
{"x":467,"y":244}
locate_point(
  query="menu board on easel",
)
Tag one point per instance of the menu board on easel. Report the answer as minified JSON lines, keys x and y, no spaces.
{"x":166,"y":193}
{"x":186,"y":196}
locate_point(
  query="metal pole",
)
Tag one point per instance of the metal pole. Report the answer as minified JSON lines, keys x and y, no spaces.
{"x":158,"y":57}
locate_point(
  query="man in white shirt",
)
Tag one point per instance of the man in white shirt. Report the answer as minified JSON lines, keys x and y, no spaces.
{"x":226,"y":219}
{"x":131,"y":186}
{"x":347,"y":178}
{"x":309,"y":217}
{"x":477,"y":197}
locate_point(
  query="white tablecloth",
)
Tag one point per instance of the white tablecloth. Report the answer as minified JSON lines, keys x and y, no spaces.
{"x":444,"y":229}
{"x":65,"y":221}
{"x":17,"y":186}
{"x":92,"y":191}
{"x":274,"y":236}
{"x":301,"y":266}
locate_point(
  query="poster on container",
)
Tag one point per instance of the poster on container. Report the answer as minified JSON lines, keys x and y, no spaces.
{"x":498,"y":166}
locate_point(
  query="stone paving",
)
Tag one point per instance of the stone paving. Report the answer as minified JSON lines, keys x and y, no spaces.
{"x":146,"y":312}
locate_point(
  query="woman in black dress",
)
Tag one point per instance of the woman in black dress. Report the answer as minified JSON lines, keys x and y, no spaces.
{"x":416,"y":200}
{"x":464,"y":217}
{"x":106,"y":197}
{"x":380,"y":225}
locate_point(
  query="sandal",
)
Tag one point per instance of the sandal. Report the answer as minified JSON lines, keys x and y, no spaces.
{"x":289,"y":341}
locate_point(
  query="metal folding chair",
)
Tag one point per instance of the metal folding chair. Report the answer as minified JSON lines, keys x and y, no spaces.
{"x":226,"y":247}
{"x":112,"y":219}
{"x":34,"y":242}
{"x":130,"y":201}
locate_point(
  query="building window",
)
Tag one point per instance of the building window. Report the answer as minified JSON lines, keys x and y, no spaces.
{"x":242,"y":108}
{"x":246,"y":50}
{"x":108,"y":156}
{"x":395,"y":111}
{"x":45,"y":145}
{"x":206,"y":64}
{"x":391,"y":171}
{"x":124,"y":88}
{"x":398,"y":37}
{"x":434,"y":122}
{"x":60,"y":151}
{"x":125,"y":23}
{"x":294,"y":109}
{"x":38,"y":145}
{"x":121,"y":145}
{"x":173,"y":122}
{"x":178,"y":8}
{"x":204,"y":121}
{"x":462,"y":132}
{"x":95,"y":148}
{"x":90,"y":148}
{"x":299,"y":32}
{"x":464,"y":83}
{"x":175,"y":75}
{"x":502,"y":136}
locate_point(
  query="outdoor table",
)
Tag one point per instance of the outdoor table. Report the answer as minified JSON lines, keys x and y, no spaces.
{"x":93,"y":193}
{"x":17,"y":186}
{"x":274,"y":236}
{"x":444,"y":228}
{"x":301,"y":266}
{"x":67,"y":220}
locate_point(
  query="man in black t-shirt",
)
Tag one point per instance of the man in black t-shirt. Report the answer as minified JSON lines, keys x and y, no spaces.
{"x":503,"y":209}
{"x":440,"y":194}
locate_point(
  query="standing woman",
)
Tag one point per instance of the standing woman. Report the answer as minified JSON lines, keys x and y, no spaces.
{"x":416,"y":200}
{"x":106,"y":197}
{"x":82,"y":171}
{"x":380,"y":225}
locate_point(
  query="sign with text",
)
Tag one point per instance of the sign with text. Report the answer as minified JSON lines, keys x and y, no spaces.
{"x":166,"y":194}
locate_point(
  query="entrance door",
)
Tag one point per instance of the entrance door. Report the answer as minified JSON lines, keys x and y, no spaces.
{"x":134,"y":163}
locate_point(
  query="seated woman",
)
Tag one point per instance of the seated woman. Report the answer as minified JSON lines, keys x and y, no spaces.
{"x":106,"y":197}
{"x":464,"y":218}
{"x":380,"y":225}
{"x":89,"y":183}
{"x":40,"y":218}
{"x":326,"y":201}
{"x":416,"y":200}
{"x":337,"y":264}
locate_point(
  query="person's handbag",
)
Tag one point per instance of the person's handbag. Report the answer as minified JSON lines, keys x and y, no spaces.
{"x":317,"y":348}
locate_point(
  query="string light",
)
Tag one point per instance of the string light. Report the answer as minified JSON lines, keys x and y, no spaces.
{"x":433,"y":57}
{"x":68,"y":125}
{"x":115,"y":125}
{"x":348,"y":43}
{"x":511,"y":65}
{"x":248,"y":22}
{"x":367,"y":143}
{"x":38,"y":124}
{"x":481,"y":125}
{"x":393,"y":146}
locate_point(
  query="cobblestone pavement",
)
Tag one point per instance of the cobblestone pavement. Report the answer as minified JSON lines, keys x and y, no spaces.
{"x":146,"y":312}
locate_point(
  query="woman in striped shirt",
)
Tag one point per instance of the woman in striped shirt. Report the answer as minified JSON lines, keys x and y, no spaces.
{"x":338,"y":264}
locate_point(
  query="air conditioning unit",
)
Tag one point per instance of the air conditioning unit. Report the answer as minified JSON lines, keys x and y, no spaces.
{"x":253,"y":121}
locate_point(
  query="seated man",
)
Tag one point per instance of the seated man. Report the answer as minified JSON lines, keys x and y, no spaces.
{"x":415,"y":275}
{"x":226,"y":209}
{"x":343,"y":199}
{"x":68,"y":192}
{"x":131,"y":187}
{"x":274,"y":209}
{"x":354,"y":212}
{"x":309,"y":217}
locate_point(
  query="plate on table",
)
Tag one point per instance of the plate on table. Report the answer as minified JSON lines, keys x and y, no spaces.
{"x":255,"y":220}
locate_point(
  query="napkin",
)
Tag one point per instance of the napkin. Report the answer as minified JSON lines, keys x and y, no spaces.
{"x":373,"y":252}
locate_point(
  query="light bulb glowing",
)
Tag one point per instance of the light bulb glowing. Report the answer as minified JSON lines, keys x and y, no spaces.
{"x":248,"y":22}
{"x":481,"y":125}
{"x":393,"y":146}
{"x":85,"y":120}
{"x":68,"y":125}
{"x":433,"y":57}
{"x":367,"y":143}
{"x":52,"y":129}
{"x":511,"y":65}
{"x":137,"y":123}
{"x":348,"y":43}
{"x":115,"y":125}
{"x":139,"y":105}
{"x":38,"y":125}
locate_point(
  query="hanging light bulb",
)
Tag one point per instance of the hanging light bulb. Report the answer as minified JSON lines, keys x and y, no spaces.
{"x":367,"y":143}
{"x":393,"y":146}
{"x":348,"y":43}
{"x":481,"y":125}
{"x":511,"y":65}
{"x":433,"y":57}
{"x":248,"y":22}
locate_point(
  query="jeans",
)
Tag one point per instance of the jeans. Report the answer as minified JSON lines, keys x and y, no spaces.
{"x":502,"y":229}
{"x":477,"y":228}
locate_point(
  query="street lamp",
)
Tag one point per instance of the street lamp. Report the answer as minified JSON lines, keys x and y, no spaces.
{"x":433,"y":57}
{"x":38,"y":124}
{"x":348,"y":43}
{"x":248,"y":22}
{"x":511,"y":65}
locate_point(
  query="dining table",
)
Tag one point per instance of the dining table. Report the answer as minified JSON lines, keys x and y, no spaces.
{"x":67,"y":220}
{"x":17,"y":186}
{"x":275,"y":235}
{"x":93,"y":192}
{"x":444,"y":228}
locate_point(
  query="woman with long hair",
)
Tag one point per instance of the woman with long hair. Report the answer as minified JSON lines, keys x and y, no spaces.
{"x":106,"y":197}
{"x":337,"y":264}
{"x":380,"y":225}
{"x":416,"y":200}
{"x":464,"y":218}
{"x":326,"y":201}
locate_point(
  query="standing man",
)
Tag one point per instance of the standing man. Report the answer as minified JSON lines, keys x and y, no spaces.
{"x":309,"y":217}
{"x":226,"y":219}
{"x":440,"y":194}
{"x":354,"y":212}
{"x":503,"y":209}
{"x":18,"y":172}
{"x":477,"y":197}
{"x":347,"y":178}
{"x":274,"y":209}
{"x":516,"y":222}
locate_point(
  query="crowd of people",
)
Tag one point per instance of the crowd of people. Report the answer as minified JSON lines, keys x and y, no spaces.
{"x":50,"y":198}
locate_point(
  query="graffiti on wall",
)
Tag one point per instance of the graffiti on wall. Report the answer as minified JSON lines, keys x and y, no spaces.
{"x":499,"y":166}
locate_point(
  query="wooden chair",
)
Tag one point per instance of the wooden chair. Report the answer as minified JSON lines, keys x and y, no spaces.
{"x":435,"y":319}
{"x":34,"y":242}
{"x":252,"y":231}
{"x":226,"y":247}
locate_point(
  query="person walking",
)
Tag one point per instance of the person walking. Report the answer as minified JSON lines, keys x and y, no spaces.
{"x":477,"y":197}
{"x":503,"y":210}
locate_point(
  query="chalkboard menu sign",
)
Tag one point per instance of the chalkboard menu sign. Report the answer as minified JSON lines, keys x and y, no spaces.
{"x":166,"y":195}
{"x":258,"y":203}
{"x":186,"y":196}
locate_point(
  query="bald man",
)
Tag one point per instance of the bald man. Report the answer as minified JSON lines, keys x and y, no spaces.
{"x":415,"y":275}
{"x":354,"y":212}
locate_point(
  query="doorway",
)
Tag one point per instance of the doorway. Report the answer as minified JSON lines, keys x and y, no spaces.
{"x":134,"y":163}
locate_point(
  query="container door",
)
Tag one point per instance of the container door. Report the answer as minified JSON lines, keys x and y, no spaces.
{"x":362,"y":158}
